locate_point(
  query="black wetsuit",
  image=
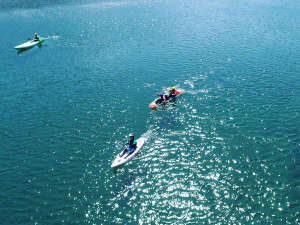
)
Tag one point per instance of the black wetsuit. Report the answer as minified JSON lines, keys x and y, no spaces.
{"x":36,"y":38}
{"x":172,"y":94}
{"x":131,"y":144}
{"x":131,"y":147}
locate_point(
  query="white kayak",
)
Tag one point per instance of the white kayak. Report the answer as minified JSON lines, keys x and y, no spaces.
{"x":29,"y":44}
{"x":120,"y":160}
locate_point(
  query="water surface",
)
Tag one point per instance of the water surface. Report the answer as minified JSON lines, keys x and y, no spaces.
{"x":226,"y":152}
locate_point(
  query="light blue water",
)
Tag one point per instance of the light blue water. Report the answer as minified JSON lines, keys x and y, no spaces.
{"x":226,"y":152}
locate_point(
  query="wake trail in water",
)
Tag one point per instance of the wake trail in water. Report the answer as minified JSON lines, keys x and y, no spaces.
{"x":147,"y":135}
{"x":195,"y":92}
{"x":53,"y":37}
{"x":192,"y":83}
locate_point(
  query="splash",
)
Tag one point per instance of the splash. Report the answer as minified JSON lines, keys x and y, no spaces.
{"x":53,"y":37}
{"x":147,"y":135}
{"x":190,"y":83}
{"x":196,"y":92}
{"x":194,"y":81}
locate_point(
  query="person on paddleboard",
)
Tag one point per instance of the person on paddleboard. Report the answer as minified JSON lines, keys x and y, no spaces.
{"x":172,"y":92}
{"x":131,"y":145}
{"x":163,"y":97}
{"x":36,"y":37}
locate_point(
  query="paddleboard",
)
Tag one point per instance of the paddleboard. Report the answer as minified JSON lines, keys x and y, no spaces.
{"x":122,"y":159}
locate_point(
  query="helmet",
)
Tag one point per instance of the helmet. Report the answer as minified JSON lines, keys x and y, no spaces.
{"x":35,"y":33}
{"x":131,"y":135}
{"x":161,"y":95}
{"x":172,"y":88}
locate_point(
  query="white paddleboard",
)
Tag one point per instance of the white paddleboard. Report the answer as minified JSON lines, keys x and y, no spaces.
{"x":120,"y":160}
{"x":29,"y":44}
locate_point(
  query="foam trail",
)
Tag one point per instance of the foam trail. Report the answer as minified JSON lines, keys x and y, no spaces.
{"x":189,"y":83}
{"x":195,"y":92}
{"x":147,"y":135}
{"x":53,"y":37}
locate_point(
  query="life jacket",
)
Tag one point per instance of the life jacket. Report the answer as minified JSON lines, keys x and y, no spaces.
{"x":132,"y":144}
{"x":172,"y":92}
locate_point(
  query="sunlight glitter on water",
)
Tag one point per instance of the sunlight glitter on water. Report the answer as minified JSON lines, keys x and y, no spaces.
{"x":225,"y":152}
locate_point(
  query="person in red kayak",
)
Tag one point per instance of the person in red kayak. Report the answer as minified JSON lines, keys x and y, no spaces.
{"x":163,"y":97}
{"x":131,"y":145}
{"x":173,"y":93}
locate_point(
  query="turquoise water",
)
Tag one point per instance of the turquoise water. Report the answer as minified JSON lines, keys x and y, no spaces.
{"x":226,"y":152}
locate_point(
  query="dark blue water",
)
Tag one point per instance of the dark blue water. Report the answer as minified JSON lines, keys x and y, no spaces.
{"x":225,"y":152}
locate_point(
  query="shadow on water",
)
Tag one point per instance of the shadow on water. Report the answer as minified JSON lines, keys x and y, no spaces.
{"x":125,"y":180}
{"x":117,"y":170}
{"x":22,"y":51}
{"x":165,"y":117}
{"x":166,"y":106}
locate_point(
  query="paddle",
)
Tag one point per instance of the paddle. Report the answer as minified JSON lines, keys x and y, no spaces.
{"x":30,"y":39}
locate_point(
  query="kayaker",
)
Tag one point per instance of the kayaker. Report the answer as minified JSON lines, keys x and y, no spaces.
{"x":163,"y":97}
{"x":172,"y":92}
{"x":36,"y":37}
{"x":131,"y":145}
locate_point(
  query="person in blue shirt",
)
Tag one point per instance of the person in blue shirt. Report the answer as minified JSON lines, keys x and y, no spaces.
{"x":131,"y":145}
{"x":163,"y":97}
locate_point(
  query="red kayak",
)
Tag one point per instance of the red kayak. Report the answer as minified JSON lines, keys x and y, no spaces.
{"x":157,"y":102}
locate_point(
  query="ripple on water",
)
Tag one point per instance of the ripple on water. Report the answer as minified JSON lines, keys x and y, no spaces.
{"x":197,"y":166}
{"x":226,"y":152}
